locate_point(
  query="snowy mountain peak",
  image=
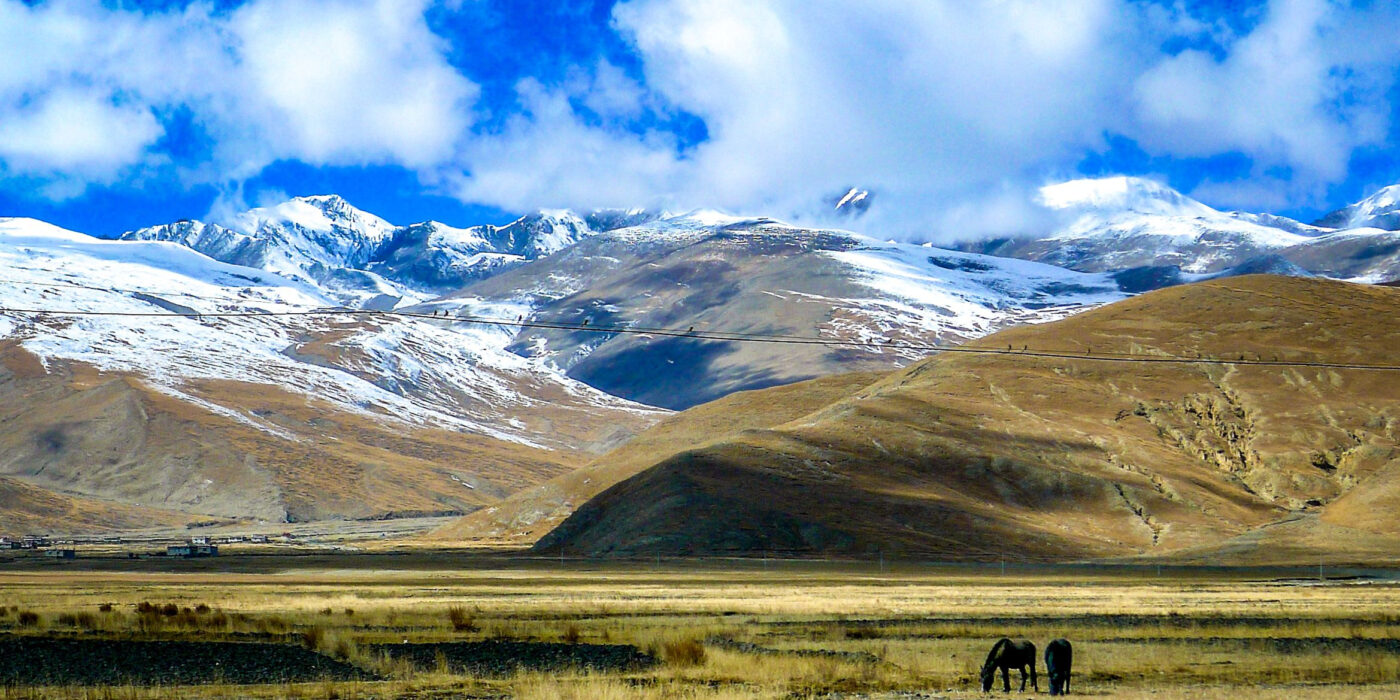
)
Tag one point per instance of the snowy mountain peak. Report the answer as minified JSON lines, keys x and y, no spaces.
{"x":1121,"y":194}
{"x":612,"y":219}
{"x":541,"y":233}
{"x":321,"y":213}
{"x":1380,"y":210}
{"x":23,"y":227}
{"x":850,"y":202}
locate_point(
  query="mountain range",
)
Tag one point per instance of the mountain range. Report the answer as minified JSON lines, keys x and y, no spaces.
{"x":1125,"y":224}
{"x":312,"y":361}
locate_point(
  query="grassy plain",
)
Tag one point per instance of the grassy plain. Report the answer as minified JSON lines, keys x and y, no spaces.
{"x":737,"y":628}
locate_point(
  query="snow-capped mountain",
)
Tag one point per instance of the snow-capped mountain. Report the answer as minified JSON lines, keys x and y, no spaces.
{"x":419,"y":371}
{"x":1124,"y":223}
{"x":713,"y":272}
{"x":320,"y":240}
{"x":1120,"y":223}
{"x":209,"y":388}
{"x":222,"y":358}
{"x":434,"y":257}
{"x":1112,"y":197}
{"x":853,"y":202}
{"x":1381,"y":210}
{"x":362,"y":260}
{"x":244,"y":350}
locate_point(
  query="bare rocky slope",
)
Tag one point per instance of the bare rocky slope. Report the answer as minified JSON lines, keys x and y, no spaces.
{"x":757,"y":276}
{"x":968,"y":456}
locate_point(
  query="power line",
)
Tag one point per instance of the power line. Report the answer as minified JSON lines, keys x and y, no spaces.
{"x":723,"y":336}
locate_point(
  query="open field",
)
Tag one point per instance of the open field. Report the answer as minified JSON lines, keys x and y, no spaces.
{"x":414,"y":624}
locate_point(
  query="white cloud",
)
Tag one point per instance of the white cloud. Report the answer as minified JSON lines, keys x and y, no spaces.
{"x":928,"y":103}
{"x":79,"y":133}
{"x":1294,"y":92}
{"x":326,"y":82}
{"x":344,"y":82}
{"x":949,"y":108}
{"x":548,"y":154}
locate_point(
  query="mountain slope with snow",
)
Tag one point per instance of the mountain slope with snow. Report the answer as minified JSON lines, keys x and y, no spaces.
{"x":328,"y":363}
{"x":363,"y":261}
{"x":711,"y":272}
{"x":1380,"y":210}
{"x":1122,"y":223}
{"x":158,"y":328}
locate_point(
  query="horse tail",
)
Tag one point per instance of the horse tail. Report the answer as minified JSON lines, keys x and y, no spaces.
{"x":995,"y":652}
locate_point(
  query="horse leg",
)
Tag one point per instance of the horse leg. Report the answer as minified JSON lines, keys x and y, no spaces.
{"x":1005,"y":679}
{"x":1023,"y":678}
{"x":1035,"y":683}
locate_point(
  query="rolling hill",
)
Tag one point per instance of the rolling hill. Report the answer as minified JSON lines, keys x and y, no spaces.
{"x":979,"y":456}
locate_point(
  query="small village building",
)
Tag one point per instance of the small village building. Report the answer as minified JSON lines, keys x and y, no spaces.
{"x":191,"y":550}
{"x":61,"y":553}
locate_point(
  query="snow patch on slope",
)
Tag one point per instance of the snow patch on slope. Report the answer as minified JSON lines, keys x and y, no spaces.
{"x":391,"y":369}
{"x":948,"y":293}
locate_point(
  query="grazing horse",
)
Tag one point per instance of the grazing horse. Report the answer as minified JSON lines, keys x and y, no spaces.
{"x":1059,"y":658}
{"x":1006,"y":655}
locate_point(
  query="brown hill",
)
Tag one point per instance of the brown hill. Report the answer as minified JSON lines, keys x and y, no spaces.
{"x":524,"y":517}
{"x":86,"y":451}
{"x":26,"y":509}
{"x":967,"y":456}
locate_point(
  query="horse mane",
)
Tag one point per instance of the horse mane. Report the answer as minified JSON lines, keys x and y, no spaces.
{"x":992,"y":655}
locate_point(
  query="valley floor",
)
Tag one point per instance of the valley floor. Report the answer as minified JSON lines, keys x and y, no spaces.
{"x":435,"y":625}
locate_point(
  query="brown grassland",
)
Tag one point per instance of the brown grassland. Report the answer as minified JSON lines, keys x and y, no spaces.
{"x":735,"y":628}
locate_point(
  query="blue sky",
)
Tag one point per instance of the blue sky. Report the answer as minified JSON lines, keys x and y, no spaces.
{"x":120,"y":114}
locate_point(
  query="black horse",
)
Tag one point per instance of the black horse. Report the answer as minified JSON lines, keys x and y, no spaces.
{"x":1059,"y":658}
{"x":1006,"y":655}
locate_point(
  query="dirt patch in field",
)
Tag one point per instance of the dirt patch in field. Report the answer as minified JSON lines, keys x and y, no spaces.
{"x":46,"y":661}
{"x":502,"y":658}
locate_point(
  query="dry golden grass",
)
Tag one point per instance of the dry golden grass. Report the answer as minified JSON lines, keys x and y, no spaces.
{"x":748,"y":629}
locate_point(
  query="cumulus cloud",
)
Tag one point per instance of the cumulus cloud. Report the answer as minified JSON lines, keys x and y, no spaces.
{"x":1303,"y":90}
{"x":551,"y":153}
{"x":326,"y":82}
{"x":349,"y":82}
{"x":75,"y":132}
{"x":928,"y":103}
